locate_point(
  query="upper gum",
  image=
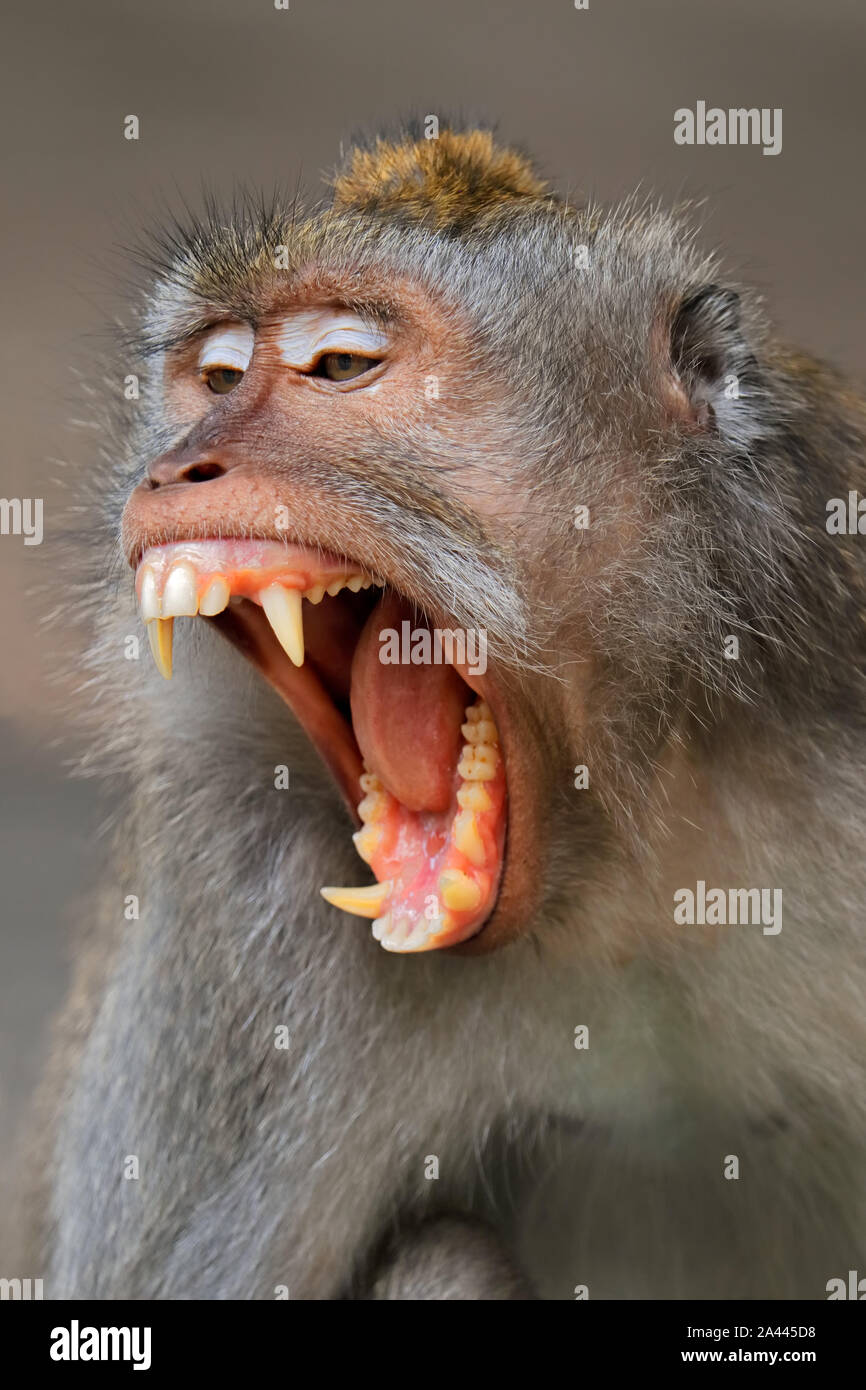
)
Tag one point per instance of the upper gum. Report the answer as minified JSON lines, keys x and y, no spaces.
{"x":246,"y":575}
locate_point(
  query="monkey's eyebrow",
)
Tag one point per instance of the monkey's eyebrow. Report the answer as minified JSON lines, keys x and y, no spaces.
{"x":229,"y":345}
{"x":377,"y":314}
{"x":302,"y":335}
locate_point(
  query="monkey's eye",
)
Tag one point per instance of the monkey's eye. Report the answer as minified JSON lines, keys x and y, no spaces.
{"x":343,"y":366}
{"x":221,"y":380}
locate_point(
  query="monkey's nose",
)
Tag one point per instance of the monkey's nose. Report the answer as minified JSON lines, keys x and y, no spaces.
{"x":184,"y":468}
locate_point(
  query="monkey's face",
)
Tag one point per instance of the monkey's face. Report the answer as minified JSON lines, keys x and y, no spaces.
{"x":342,"y":502}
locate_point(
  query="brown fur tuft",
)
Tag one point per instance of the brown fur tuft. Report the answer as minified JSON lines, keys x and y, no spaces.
{"x":444,"y":181}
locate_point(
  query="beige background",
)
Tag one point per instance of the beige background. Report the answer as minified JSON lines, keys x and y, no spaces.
{"x":234,"y":91}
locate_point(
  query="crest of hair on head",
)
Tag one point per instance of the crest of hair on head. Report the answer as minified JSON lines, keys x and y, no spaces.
{"x":443,"y":181}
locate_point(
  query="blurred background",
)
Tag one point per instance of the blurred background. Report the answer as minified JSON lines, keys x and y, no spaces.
{"x":231,"y":91}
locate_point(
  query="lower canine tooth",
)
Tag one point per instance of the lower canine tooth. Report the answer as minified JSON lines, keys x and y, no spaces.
{"x":180,"y":595}
{"x":160,"y":633}
{"x":215,"y":598}
{"x":363,"y":902}
{"x":467,"y":839}
{"x":458,"y":891}
{"x":283,"y":612}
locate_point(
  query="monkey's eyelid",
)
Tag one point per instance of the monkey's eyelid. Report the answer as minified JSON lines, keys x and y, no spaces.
{"x":230,"y":347}
{"x":308,"y":335}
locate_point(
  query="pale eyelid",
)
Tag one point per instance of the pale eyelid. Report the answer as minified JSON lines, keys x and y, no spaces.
{"x":302,"y":338}
{"x":230,"y":346}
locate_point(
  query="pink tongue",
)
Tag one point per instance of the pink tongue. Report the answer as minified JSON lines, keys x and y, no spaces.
{"x":407,"y":718}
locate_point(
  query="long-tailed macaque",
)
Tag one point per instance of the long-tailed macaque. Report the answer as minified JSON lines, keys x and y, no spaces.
{"x":486,"y":918}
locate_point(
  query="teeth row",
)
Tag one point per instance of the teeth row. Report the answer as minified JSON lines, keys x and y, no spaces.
{"x":400,"y":935}
{"x":282,"y":607}
{"x":458,"y":891}
{"x":180,"y":598}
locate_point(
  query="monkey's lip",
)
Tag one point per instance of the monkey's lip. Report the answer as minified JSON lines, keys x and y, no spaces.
{"x":433,"y":816}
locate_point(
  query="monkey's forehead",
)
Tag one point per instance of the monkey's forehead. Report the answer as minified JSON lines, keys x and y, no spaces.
{"x":248,"y":266}
{"x":451,"y":210}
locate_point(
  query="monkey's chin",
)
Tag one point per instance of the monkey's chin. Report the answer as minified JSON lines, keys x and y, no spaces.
{"x":414,"y":749}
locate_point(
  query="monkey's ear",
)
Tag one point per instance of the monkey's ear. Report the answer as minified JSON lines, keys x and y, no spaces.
{"x":715,"y":371}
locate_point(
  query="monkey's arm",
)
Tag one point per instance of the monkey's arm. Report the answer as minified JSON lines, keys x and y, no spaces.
{"x":450,"y":1257}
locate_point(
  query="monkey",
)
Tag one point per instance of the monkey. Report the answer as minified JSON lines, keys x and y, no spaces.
{"x":521,"y":969}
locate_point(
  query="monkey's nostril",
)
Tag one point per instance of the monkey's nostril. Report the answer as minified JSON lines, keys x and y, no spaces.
{"x":189,"y":466}
{"x":201,"y":472}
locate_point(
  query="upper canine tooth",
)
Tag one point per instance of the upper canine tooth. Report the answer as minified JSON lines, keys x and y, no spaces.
{"x":363,"y":902}
{"x":160,"y":634}
{"x":335,"y":586}
{"x":316,"y":594}
{"x":180,"y":595}
{"x":283,"y":612}
{"x":148,"y":601}
{"x":215,"y":597}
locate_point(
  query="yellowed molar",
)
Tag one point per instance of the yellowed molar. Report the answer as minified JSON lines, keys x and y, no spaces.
{"x":472,"y":796}
{"x":482,"y":731}
{"x":478,"y":763}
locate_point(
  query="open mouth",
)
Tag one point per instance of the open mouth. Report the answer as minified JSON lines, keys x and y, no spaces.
{"x":412,"y":744}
